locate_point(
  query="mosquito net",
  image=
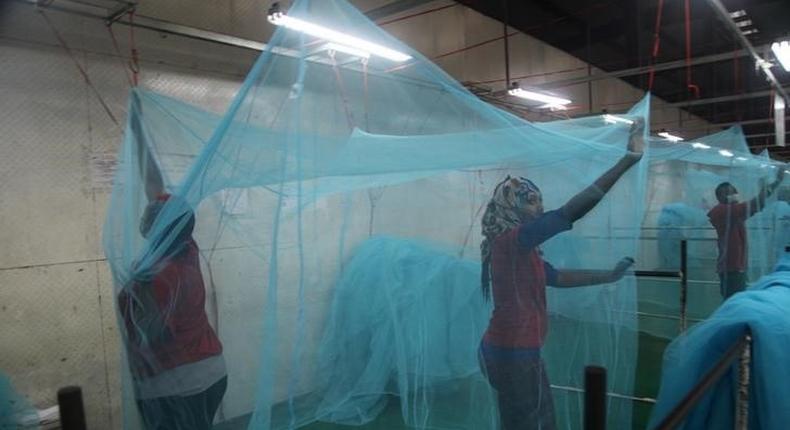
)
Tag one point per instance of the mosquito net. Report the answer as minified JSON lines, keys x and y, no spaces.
{"x":682,"y":205}
{"x":359,"y":239}
{"x":15,"y":410}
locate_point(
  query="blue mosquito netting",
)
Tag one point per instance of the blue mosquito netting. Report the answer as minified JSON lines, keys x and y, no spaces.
{"x":681,"y":192}
{"x":763,"y":310}
{"x":314,"y":253}
{"x":15,"y":410}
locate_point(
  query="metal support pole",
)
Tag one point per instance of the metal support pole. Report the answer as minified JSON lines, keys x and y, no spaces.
{"x":676,"y":417}
{"x":759,"y":62}
{"x":742,"y":402}
{"x":594,"y":398}
{"x":683,"y":284}
{"x":72,"y":411}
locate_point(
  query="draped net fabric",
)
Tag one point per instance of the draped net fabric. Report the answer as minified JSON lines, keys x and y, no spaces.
{"x":337,"y":208}
{"x":681,"y":186}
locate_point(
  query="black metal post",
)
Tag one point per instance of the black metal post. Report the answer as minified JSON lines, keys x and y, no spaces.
{"x":594,"y":398}
{"x":679,"y":413}
{"x":656,"y":274}
{"x":72,"y":411}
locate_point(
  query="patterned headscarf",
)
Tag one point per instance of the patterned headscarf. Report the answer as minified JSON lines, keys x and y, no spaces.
{"x":501,"y":215}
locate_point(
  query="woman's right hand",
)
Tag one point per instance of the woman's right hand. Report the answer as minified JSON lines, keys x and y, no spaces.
{"x":636,"y":141}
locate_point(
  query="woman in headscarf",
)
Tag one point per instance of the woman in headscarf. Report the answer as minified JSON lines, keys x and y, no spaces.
{"x":514,"y":273}
{"x":174,"y":354}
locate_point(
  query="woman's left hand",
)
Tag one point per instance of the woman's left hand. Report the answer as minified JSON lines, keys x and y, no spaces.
{"x":622,"y":266}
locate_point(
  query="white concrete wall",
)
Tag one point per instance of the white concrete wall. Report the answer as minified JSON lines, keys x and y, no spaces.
{"x":58,"y":325}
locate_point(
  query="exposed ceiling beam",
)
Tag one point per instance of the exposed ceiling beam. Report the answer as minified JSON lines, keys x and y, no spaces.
{"x":117,"y":16}
{"x":754,"y":136}
{"x":96,"y":12}
{"x":747,"y":122}
{"x":725,"y":17}
{"x":394,"y":8}
{"x":722,"y":99}
{"x":670,"y":65}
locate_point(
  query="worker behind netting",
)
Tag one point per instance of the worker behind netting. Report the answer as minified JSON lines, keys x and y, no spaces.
{"x":729,"y":219}
{"x":514,"y":225}
{"x":175,"y":356}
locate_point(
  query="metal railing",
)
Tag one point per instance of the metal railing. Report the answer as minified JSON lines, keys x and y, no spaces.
{"x":740,"y":350}
{"x":682,"y":275}
{"x":595,"y":390}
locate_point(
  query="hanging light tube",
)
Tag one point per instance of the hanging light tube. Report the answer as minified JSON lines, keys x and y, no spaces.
{"x":741,"y":158}
{"x":782,"y":53}
{"x":553,"y":107}
{"x":346,"y":50}
{"x":699,"y":145}
{"x":726,"y":153}
{"x":549,"y":100}
{"x":744,"y":23}
{"x":613,"y":119}
{"x":670,"y":137}
{"x":345,"y":40}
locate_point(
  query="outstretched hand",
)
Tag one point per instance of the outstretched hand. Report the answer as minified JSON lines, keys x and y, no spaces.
{"x":622,"y":266}
{"x":636,"y":141}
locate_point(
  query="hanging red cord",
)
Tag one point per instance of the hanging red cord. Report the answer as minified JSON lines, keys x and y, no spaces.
{"x":118,"y":53}
{"x":689,"y":83}
{"x":341,"y":87}
{"x":134,"y":64}
{"x":656,"y":45}
{"x":77,"y":64}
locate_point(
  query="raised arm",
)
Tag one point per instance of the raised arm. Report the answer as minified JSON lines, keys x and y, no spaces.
{"x":149,"y":170}
{"x":766,"y":190}
{"x":582,"y":278}
{"x":580,"y":204}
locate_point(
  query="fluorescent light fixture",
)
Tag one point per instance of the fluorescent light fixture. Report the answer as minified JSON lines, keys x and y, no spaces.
{"x":613,"y":119}
{"x":347,"y":50}
{"x":699,"y":145}
{"x":346,"y":40}
{"x":741,"y":158}
{"x":744,"y":23}
{"x":726,"y":153}
{"x":782,"y":53}
{"x":749,"y":31}
{"x":551,"y":101}
{"x":670,"y":137}
{"x":738,"y":14}
{"x":554,"y":107}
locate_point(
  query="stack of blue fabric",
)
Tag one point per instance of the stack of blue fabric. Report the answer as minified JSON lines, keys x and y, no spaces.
{"x":763,"y":309}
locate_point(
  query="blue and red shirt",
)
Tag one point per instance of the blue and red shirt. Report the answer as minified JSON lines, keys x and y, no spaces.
{"x":175,"y":298}
{"x":518,"y":283}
